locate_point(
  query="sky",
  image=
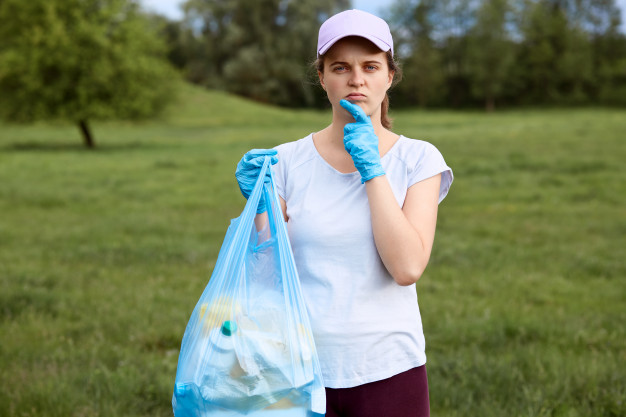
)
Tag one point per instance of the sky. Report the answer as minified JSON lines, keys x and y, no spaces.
{"x":171,"y":9}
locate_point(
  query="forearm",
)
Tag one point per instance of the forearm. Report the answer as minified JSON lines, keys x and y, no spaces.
{"x":400,"y":246}
{"x":261,"y":220}
{"x":403,"y":235}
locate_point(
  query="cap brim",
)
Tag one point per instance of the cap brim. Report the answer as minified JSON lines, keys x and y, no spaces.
{"x":383,"y":46}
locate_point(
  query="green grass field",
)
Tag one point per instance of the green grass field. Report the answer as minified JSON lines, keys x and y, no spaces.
{"x":103,"y":255}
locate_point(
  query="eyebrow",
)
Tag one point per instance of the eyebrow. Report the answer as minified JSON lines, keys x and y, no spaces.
{"x":372,"y":61}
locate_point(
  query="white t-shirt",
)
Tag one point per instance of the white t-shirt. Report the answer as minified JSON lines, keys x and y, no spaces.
{"x":366,"y":327}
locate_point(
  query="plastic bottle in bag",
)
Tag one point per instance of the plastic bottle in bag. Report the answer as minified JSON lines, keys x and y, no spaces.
{"x":224,"y":363}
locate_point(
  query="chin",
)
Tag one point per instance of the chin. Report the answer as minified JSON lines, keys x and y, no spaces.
{"x":362,"y":104}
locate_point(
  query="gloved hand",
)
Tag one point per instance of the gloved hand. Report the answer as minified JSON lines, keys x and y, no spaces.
{"x":248,"y":170}
{"x":361,"y":143}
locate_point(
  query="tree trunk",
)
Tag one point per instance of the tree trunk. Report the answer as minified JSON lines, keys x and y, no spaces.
{"x":87,"y":137}
{"x":490,"y":104}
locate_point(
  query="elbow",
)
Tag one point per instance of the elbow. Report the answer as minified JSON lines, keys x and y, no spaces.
{"x":408,"y":270}
{"x":409,"y":276}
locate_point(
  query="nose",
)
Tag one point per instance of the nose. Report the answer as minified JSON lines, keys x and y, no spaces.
{"x":356,"y":77}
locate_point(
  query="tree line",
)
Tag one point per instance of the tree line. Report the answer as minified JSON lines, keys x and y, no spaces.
{"x":454,"y":53}
{"x":84,"y":60}
{"x":255,"y":48}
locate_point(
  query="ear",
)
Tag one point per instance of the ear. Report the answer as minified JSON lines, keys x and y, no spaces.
{"x":320,"y":75}
{"x":390,"y":80}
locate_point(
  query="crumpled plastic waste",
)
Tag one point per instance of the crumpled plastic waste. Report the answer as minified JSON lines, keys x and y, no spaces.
{"x":248,"y":348}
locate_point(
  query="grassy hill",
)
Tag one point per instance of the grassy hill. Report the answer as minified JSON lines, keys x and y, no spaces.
{"x":104,"y":253}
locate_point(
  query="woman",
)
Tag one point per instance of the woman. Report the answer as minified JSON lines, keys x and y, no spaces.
{"x":361,"y":206}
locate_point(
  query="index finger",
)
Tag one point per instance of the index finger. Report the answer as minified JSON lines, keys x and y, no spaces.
{"x":356,"y":112}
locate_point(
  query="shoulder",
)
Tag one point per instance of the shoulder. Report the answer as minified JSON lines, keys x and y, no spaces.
{"x":420,"y":160}
{"x":295,"y":153}
{"x":414,"y":152}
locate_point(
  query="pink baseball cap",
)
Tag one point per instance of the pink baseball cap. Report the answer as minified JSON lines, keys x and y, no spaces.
{"x":354,"y":23}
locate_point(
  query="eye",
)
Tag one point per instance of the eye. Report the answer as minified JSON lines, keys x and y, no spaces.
{"x":340,"y":68}
{"x":371,"y":67}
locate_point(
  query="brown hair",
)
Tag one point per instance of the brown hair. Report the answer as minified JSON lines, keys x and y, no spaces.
{"x":397,"y":76}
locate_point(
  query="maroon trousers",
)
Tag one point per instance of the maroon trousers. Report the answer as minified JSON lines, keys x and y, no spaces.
{"x":402,"y":395}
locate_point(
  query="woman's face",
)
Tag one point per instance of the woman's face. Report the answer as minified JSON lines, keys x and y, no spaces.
{"x":356,"y":70}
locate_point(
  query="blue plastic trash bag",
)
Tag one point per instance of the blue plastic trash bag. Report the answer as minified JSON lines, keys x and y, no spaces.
{"x":248,"y":347}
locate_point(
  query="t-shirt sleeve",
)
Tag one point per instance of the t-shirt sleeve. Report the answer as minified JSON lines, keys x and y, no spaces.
{"x":279,"y":171}
{"x":429,"y":164}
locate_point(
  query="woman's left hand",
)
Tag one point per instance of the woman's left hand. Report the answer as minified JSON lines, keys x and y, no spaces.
{"x":248,"y":170}
{"x":361,"y":143}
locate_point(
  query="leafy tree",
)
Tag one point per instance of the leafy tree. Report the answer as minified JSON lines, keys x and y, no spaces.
{"x":556,"y":53}
{"x":491,"y":53}
{"x":80,"y":60}
{"x":453,"y":19}
{"x":540,"y":50}
{"x":608,"y":46}
{"x":173,"y":34}
{"x":423,"y":81}
{"x":259,"y":48}
{"x":432,"y":39}
{"x":515,"y":51}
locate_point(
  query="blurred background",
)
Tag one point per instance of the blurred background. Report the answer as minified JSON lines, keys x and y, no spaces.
{"x":456,"y":53}
{"x":121,"y":123}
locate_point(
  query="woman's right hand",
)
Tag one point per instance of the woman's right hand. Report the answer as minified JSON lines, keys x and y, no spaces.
{"x":361,"y":142}
{"x":248,"y":170}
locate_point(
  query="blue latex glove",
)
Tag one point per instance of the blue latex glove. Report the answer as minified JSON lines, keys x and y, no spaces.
{"x":248,"y":170}
{"x":361,"y":143}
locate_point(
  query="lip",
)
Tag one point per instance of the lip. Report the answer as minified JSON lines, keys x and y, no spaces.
{"x":355,"y":96}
